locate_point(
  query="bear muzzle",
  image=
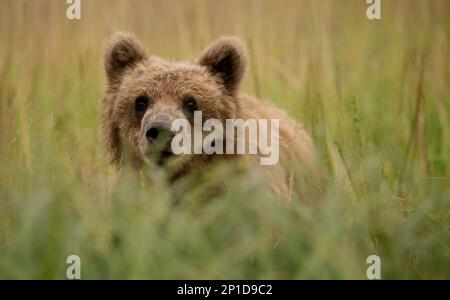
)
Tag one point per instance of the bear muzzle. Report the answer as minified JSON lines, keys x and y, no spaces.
{"x":155,"y":142}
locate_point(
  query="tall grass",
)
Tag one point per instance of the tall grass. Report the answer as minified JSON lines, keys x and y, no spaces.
{"x":373,"y":94}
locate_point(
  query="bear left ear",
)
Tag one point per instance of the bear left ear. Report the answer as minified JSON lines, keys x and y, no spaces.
{"x":226,"y":59}
{"x":123,"y":52}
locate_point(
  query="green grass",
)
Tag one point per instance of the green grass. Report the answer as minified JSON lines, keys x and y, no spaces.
{"x":373,"y":94}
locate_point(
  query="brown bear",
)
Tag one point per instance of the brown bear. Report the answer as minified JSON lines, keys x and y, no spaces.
{"x":146,"y":93}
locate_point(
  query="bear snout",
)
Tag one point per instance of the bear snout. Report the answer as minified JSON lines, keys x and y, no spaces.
{"x":155,"y":141}
{"x":159,"y":133}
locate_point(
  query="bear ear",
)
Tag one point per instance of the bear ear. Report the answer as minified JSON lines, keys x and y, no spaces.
{"x":226,"y":59}
{"x":122,"y":52}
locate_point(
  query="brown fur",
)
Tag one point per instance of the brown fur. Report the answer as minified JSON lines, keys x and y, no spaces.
{"x":213,"y":81}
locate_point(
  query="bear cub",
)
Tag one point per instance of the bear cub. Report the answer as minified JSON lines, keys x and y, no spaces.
{"x":145,"y":94}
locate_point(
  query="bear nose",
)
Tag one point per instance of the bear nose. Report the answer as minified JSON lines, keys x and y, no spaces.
{"x":159,"y":132}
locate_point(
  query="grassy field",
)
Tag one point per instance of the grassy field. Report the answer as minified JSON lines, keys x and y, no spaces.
{"x":374,"y":95}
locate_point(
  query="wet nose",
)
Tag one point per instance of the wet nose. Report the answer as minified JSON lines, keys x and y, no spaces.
{"x":159,"y":133}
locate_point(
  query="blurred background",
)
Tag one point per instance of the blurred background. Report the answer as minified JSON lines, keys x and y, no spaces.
{"x":374,"y":94}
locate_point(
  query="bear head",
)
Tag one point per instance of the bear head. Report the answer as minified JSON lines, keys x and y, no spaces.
{"x":145,"y":94}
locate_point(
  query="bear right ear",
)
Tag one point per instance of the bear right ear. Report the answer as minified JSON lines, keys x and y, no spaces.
{"x":122,"y":52}
{"x":226,"y":59}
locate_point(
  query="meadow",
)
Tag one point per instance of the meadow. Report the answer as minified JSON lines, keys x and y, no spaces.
{"x":373,"y":94}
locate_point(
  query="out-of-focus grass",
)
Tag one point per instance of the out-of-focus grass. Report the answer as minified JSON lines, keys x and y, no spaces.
{"x":373,"y":94}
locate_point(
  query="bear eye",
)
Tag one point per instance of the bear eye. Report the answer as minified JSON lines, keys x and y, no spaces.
{"x":141,"y":105}
{"x":189,"y":104}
